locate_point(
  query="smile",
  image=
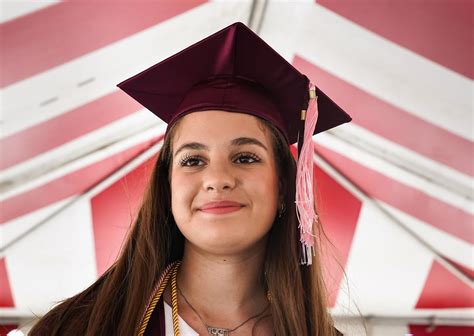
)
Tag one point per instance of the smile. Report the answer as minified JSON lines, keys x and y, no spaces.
{"x":222,"y":210}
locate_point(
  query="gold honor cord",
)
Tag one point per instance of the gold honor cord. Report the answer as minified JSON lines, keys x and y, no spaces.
{"x":174,"y":300}
{"x":162,"y":283}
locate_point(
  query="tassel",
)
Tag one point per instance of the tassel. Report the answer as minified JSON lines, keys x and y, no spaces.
{"x":304,"y":199}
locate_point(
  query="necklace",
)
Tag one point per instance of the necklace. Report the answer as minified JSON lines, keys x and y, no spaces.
{"x":170,"y":273}
{"x":214,"y":331}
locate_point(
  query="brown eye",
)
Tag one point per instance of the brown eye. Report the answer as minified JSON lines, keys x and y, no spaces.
{"x":191,"y":161}
{"x":246,"y":158}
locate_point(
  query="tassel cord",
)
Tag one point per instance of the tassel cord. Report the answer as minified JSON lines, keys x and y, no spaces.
{"x":304,"y":182}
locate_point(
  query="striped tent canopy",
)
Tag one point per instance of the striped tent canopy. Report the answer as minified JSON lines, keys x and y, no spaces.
{"x":395,"y":186}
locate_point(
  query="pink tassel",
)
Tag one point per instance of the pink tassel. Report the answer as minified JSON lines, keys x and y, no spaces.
{"x":304,"y":182}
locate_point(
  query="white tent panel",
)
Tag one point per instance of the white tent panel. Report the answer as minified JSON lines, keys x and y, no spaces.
{"x":447,"y":245}
{"x":54,"y":262}
{"x":386,"y":269}
{"x":14,"y":229}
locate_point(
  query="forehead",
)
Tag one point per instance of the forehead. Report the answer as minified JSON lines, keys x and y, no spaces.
{"x":219,"y":127}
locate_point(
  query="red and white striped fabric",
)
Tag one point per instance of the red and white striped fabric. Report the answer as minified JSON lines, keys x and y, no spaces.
{"x":394,"y":186}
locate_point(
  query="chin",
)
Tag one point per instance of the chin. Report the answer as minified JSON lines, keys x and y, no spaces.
{"x":228,"y":247}
{"x":224,"y":238}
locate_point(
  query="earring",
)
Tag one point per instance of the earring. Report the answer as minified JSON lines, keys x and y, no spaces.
{"x":281,"y":210}
{"x":269,"y":296}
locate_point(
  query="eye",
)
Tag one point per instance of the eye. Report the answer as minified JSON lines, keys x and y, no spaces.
{"x":246,"y":158}
{"x":191,"y":161}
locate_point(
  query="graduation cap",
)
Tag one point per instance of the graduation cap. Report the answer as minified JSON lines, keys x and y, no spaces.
{"x":235,"y":70}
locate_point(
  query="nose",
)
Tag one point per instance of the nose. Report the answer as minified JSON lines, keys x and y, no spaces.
{"x":218,"y":178}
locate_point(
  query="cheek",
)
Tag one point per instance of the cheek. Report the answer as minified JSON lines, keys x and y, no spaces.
{"x":182,"y":191}
{"x":265,"y":190}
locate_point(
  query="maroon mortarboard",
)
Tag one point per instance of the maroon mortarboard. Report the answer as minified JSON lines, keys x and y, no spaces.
{"x":235,"y":70}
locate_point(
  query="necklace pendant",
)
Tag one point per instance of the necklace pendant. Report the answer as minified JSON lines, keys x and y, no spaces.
{"x":218,"y":331}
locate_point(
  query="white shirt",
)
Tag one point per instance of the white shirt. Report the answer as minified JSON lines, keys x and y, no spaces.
{"x":185,"y":329}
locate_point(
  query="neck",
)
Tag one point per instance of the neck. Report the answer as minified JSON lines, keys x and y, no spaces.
{"x":229,"y":285}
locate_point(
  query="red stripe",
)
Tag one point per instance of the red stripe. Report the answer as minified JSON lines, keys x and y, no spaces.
{"x":438,"y":30}
{"x":393,"y":123}
{"x":469,"y":272}
{"x":68,"y":126}
{"x":6,"y":328}
{"x":444,"y":290}
{"x":6,"y":298}
{"x":69,"y":185}
{"x":412,"y":201}
{"x":339,"y":211}
{"x":437,"y":330}
{"x":114,"y":211}
{"x":57,"y":34}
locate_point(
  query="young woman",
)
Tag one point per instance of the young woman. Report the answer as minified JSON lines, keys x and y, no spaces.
{"x":216,"y":247}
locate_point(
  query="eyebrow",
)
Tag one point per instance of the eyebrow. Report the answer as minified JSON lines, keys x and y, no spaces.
{"x":236,"y":142}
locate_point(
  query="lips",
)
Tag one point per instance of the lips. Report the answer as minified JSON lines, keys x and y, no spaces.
{"x":220,"y":205}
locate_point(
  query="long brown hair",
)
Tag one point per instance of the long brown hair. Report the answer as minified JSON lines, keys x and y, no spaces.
{"x":114,"y":304}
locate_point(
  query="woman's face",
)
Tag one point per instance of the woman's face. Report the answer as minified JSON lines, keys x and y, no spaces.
{"x":224,"y":184}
